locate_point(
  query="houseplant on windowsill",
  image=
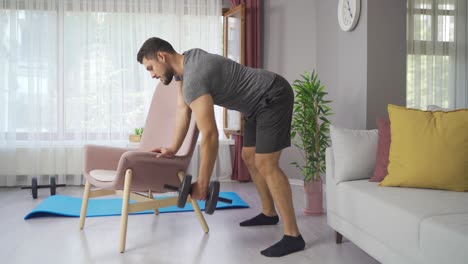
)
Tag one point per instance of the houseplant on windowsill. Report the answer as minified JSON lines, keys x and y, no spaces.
{"x":137,"y":136}
{"x":310,"y":134}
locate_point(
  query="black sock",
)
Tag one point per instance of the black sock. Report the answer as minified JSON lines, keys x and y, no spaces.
{"x":285,"y":246}
{"x":261,"y":219}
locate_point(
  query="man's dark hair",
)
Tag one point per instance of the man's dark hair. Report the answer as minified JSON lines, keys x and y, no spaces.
{"x":153,"y":45}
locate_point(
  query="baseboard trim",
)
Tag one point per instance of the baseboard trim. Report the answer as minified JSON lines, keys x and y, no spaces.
{"x":296,"y":182}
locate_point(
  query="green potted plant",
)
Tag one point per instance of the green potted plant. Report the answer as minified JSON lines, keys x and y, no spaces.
{"x":136,"y":137}
{"x":310,"y":134}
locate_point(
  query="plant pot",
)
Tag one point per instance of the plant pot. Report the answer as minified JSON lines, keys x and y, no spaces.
{"x":313,"y":198}
{"x":134,"y":138}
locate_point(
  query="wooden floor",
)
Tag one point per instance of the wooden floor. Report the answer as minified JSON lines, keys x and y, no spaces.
{"x":167,"y":238}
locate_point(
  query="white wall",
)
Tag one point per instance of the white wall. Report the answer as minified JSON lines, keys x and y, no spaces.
{"x":386,"y":57}
{"x":363,"y":70}
{"x":289,"y":48}
{"x":342,"y":64}
{"x":289,"y":37}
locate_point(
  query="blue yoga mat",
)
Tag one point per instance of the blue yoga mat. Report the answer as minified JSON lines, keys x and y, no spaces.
{"x":60,"y":205}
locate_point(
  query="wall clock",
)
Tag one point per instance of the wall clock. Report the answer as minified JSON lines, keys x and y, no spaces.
{"x":348,"y":14}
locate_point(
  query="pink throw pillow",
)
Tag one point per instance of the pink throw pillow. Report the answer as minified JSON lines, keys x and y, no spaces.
{"x":383,"y":150}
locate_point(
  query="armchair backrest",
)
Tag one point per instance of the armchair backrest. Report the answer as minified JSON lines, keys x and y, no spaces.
{"x":159,"y":130}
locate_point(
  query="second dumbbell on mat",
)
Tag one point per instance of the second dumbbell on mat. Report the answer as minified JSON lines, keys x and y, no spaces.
{"x":34,"y":186}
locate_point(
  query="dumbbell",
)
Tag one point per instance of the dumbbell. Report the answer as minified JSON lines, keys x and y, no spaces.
{"x":212,"y":196}
{"x":34,"y":186}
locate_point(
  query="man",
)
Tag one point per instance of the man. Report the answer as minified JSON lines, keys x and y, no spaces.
{"x":266,"y":100}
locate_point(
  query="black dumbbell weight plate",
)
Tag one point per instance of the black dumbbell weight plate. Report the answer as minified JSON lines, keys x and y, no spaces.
{"x":212,"y":197}
{"x":34,"y":187}
{"x":184,"y":191}
{"x":52,"y":186}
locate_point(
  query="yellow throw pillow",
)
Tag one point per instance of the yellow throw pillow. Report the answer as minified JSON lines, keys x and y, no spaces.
{"x":428,"y":149}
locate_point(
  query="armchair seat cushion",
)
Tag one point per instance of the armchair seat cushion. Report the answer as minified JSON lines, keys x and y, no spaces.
{"x":103,"y":175}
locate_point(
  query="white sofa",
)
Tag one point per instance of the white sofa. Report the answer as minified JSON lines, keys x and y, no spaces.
{"x":398,"y":225}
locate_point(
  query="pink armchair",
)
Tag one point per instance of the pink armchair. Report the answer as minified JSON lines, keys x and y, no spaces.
{"x":120,"y":171}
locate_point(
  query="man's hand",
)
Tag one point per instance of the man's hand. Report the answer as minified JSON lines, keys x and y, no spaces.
{"x":199,"y":190}
{"x":164,"y":152}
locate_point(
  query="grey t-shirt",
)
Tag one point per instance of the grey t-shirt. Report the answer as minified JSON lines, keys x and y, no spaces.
{"x":231,"y":84}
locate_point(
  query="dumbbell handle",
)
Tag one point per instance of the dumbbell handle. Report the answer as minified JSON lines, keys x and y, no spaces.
{"x":224,"y":200}
{"x":43,"y":186}
{"x":173,"y":188}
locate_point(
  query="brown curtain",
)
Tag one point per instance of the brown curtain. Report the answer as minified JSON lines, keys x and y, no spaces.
{"x":252,"y":31}
{"x":252,"y":59}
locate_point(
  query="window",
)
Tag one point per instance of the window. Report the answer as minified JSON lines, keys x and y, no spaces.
{"x":431,"y":44}
{"x":68,"y":69}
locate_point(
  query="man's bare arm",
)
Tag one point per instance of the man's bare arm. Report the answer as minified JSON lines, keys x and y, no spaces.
{"x":183,"y":116}
{"x":202,"y":107}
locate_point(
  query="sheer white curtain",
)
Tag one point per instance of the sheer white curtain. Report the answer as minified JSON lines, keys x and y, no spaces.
{"x":69,"y":75}
{"x":437,"y":53}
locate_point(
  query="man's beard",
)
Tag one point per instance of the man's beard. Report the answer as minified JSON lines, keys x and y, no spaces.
{"x":167,"y":77}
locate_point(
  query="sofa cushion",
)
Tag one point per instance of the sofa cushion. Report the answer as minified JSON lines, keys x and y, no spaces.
{"x":354,"y":153}
{"x":383,"y":149}
{"x":445,"y":237}
{"x":428,"y":149}
{"x":393,"y":215}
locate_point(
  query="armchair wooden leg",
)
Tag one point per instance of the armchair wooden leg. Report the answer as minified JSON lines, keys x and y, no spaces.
{"x":199,"y":215}
{"x":339,"y":238}
{"x":150,"y":195}
{"x":84,"y":204}
{"x":125,"y":203}
{"x":195,"y":206}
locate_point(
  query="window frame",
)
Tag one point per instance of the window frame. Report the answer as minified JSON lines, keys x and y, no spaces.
{"x":434,"y":12}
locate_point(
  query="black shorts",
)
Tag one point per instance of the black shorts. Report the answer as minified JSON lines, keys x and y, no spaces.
{"x":269,"y":130}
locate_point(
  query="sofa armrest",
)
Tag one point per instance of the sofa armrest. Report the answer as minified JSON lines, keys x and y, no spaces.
{"x":330,"y":180}
{"x":329,"y":163}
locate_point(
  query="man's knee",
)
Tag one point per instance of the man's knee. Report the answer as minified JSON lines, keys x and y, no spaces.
{"x":265,"y":165}
{"x":248,"y":156}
